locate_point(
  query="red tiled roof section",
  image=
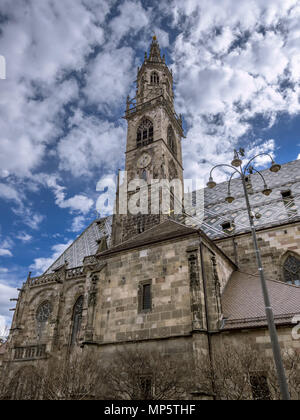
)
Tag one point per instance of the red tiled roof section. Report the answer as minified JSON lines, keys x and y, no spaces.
{"x":162,"y":232}
{"x":243,"y":304}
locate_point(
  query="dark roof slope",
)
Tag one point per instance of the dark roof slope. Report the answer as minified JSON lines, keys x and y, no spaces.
{"x":167,"y":230}
{"x":243,"y":303}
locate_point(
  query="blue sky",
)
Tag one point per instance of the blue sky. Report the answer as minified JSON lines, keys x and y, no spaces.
{"x":70,"y":66}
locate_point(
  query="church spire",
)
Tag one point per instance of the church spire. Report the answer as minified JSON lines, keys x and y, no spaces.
{"x":155,"y":56}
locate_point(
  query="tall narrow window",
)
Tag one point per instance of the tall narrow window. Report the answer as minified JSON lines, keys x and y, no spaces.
{"x":154,"y":78}
{"x":260,"y":387}
{"x":291,"y":270}
{"x":145,"y":296}
{"x":172,"y":140}
{"x":77,"y":319}
{"x":144,"y":133}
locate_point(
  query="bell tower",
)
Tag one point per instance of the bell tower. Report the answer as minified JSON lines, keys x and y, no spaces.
{"x":153,"y":150}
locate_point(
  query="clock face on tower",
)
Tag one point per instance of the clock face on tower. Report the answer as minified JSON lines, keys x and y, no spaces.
{"x":144,"y":161}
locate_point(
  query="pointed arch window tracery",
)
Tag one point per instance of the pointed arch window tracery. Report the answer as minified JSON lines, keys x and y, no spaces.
{"x":43,"y":314}
{"x":291,"y":270}
{"x":154,"y":78}
{"x":144,"y":133}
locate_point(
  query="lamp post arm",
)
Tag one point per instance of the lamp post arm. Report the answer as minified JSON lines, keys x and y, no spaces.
{"x":229,"y":182}
{"x":261,"y":175}
{"x":251,"y":160}
{"x":224,"y":164}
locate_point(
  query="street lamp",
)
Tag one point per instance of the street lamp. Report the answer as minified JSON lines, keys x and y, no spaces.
{"x":236,"y":166}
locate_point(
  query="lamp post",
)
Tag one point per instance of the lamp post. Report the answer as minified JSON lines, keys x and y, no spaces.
{"x":236,"y":166}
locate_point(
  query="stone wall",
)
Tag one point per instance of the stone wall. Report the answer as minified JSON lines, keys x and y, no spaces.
{"x":166,"y":267}
{"x":274,"y":243}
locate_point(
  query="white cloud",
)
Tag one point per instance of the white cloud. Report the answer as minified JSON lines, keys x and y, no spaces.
{"x":28,"y":216}
{"x":131,"y":19}
{"x":5,"y":247}
{"x":40,"y":265}
{"x":5,"y":253}
{"x":41,"y":42}
{"x":91,"y":144}
{"x":78,"y":202}
{"x":24,"y":237}
{"x":109,"y":78}
{"x":7,"y":192}
{"x":6,"y":293}
{"x":232,"y":63}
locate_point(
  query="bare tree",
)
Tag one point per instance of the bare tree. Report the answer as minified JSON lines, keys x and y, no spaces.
{"x":76,"y":377}
{"x":291,"y":360}
{"x":136,"y":373}
{"x":244,"y":373}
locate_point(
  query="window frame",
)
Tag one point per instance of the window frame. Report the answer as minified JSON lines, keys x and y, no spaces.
{"x":144,"y":132}
{"x":154,"y":78}
{"x":285,"y":271}
{"x":141,"y":296}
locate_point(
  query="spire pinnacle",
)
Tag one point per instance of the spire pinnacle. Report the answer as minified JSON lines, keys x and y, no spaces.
{"x":155,"y":51}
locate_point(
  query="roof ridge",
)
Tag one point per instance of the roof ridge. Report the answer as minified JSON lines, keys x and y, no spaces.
{"x":270,"y":280}
{"x":261,"y":318}
{"x":133,"y":238}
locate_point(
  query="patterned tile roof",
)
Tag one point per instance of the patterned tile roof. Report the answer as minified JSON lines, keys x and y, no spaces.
{"x":273,"y":209}
{"x":86,"y":244}
{"x":243,"y":304}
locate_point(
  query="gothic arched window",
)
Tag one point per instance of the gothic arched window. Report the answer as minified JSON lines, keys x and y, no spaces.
{"x":171,"y":140}
{"x":154,"y":78}
{"x":77,"y":318}
{"x":144,"y":133}
{"x":42,"y":316}
{"x":44,"y":311}
{"x":291,"y":270}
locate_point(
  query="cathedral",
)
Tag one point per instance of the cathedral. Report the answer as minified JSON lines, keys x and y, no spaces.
{"x":184,"y":284}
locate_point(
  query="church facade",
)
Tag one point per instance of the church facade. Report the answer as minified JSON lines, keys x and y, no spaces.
{"x":183,"y":285}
